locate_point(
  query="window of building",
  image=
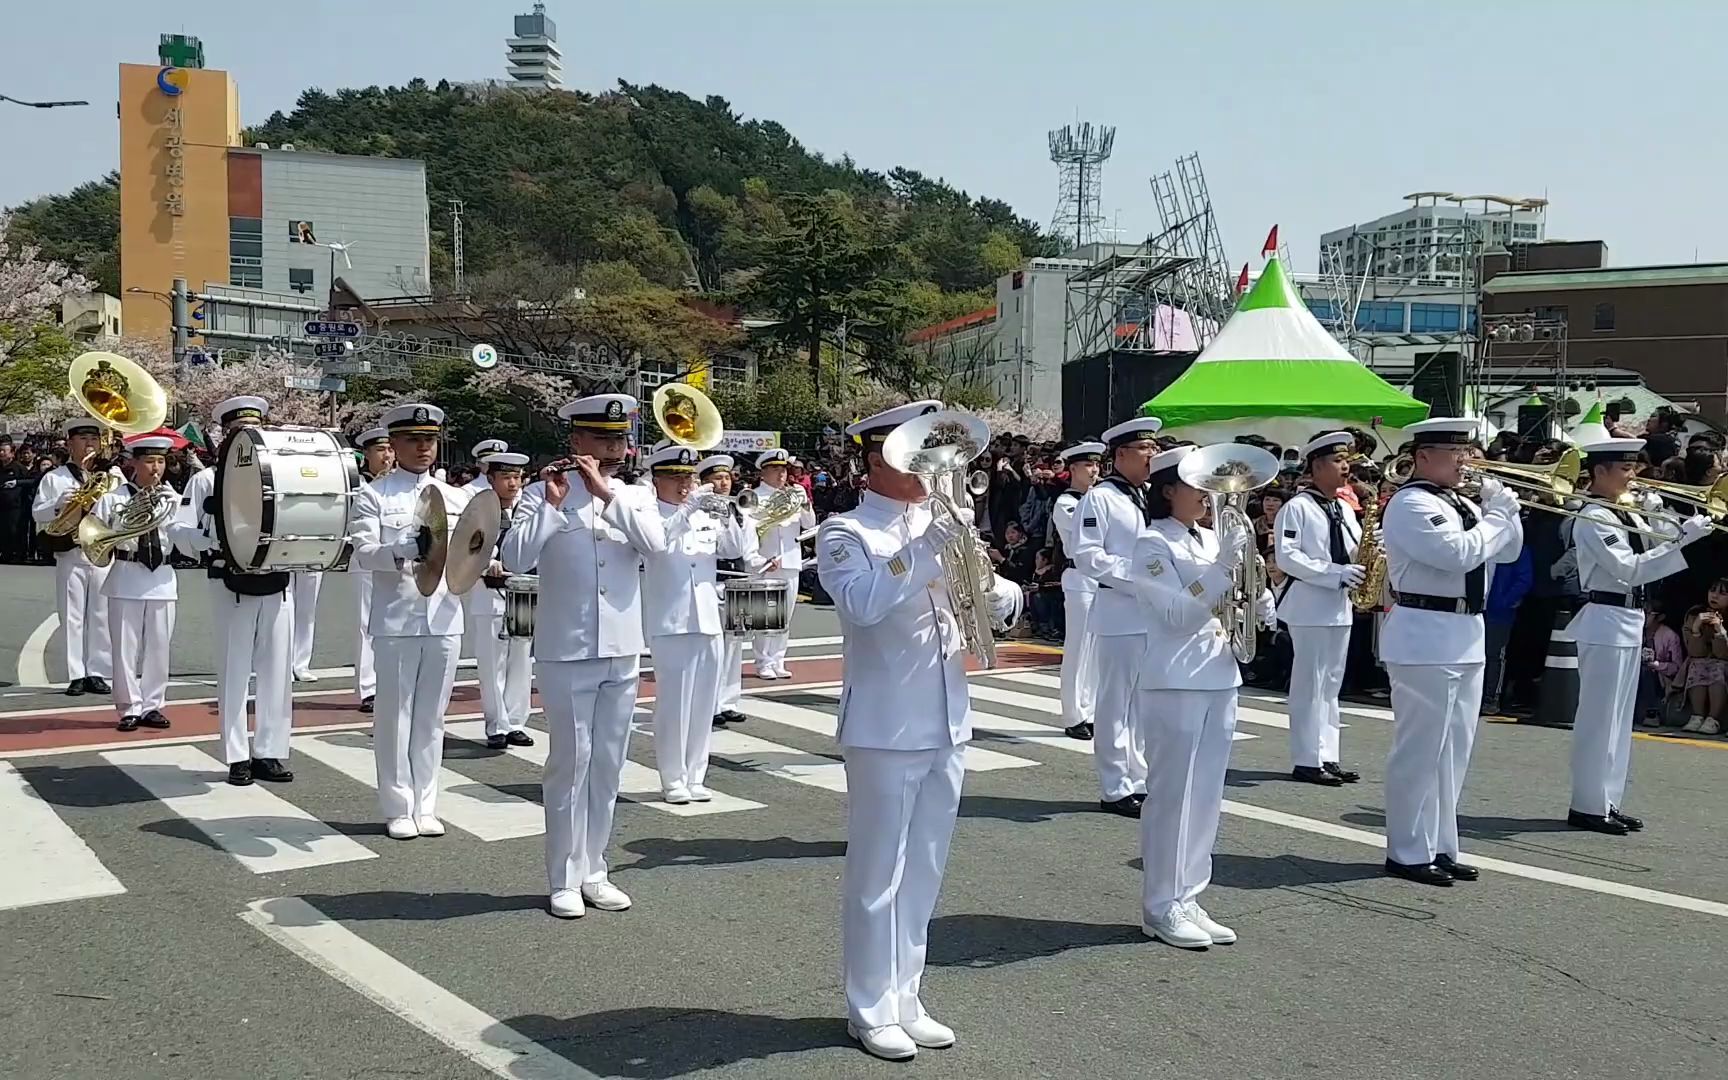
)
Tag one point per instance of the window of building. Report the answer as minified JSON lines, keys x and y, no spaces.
{"x":300,"y":279}
{"x":1604,"y":319}
{"x":1380,"y":316}
{"x":246,"y":252}
{"x":1434,"y":318}
{"x":655,"y":372}
{"x":1324,"y":310}
{"x":1551,"y":313}
{"x":729,"y":370}
{"x":301,"y":232}
{"x":1527,"y":232}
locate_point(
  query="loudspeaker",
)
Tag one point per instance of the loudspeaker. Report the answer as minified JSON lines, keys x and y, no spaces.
{"x":1439,"y":383}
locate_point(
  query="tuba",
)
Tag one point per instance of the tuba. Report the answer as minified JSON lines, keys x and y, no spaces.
{"x":937,"y":447}
{"x":1228,"y":472}
{"x":125,"y":400}
{"x":687,"y":416}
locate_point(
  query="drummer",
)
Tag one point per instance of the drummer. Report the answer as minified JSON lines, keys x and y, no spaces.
{"x":716,"y":471}
{"x":504,"y":660}
{"x":376,"y":459}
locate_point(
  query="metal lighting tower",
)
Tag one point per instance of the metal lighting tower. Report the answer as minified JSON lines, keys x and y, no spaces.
{"x":1080,"y":152}
{"x":456,"y":241}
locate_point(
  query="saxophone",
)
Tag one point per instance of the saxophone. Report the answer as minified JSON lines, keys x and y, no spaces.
{"x":1371,"y":556}
{"x":96,"y":484}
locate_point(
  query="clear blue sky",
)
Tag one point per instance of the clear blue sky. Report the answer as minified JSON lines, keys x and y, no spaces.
{"x":1313,"y":115}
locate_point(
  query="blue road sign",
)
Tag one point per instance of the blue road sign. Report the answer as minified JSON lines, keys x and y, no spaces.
{"x":331,"y":348}
{"x":332,"y":329}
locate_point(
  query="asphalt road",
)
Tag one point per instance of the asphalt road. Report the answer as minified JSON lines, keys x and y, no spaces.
{"x":294,"y":940}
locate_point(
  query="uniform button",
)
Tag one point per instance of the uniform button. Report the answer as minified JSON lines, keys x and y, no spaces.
{"x":601,"y":562}
{"x":602,"y":590}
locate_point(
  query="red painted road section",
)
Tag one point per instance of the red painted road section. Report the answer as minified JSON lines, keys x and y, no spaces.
{"x":60,"y":729}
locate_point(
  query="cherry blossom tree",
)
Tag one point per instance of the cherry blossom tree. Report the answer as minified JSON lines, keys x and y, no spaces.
{"x":34,"y":350}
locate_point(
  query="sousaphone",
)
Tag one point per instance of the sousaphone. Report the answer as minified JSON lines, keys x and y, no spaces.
{"x":473,"y":541}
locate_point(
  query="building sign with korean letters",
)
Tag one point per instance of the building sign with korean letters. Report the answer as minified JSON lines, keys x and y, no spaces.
{"x":174,"y":161}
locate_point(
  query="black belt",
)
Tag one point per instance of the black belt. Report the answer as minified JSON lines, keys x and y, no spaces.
{"x":127,"y":556}
{"x":1102,"y":585}
{"x":493,"y":581}
{"x":1614,"y":599}
{"x":1452,"y":605}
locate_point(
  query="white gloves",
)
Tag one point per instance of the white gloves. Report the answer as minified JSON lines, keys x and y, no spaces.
{"x":408,"y":548}
{"x":1353,"y":575}
{"x":1695,"y":527}
{"x":1232,"y":543}
{"x":1501,"y":503}
{"x":944,"y":530}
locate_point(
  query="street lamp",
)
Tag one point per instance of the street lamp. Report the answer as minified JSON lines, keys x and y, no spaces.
{"x":41,"y":104}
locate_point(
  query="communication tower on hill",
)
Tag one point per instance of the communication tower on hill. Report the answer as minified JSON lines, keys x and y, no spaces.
{"x":1080,"y":151}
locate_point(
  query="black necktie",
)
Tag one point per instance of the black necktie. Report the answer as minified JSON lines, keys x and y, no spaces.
{"x":1476,"y":580}
{"x":76,"y":471}
{"x":1195,"y":533}
{"x":1335,"y":528}
{"x":149,"y":547}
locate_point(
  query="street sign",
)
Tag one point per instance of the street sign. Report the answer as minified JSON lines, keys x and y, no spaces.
{"x":484,"y":356}
{"x":328,"y":384}
{"x":349,"y":367}
{"x":317,"y":328}
{"x":333,"y":348}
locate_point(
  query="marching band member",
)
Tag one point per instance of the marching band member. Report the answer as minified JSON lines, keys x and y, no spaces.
{"x":715,"y":470}
{"x":141,"y":590}
{"x":482,"y":450}
{"x":78,"y":597}
{"x":1614,"y":565}
{"x":1188,"y":689}
{"x":904,"y":721}
{"x":416,"y":638}
{"x":306,"y":585}
{"x":505,"y":662}
{"x":377,"y":459}
{"x":587,"y":540}
{"x":1315,"y":539}
{"x":779,"y":544}
{"x":1111,"y":517}
{"x":1439,"y":547}
{"x":1079,"y":647}
{"x":681,"y":604}
{"x":253,"y":623}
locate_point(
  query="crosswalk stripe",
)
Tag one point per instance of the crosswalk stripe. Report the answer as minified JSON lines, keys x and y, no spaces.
{"x":1054,"y":682}
{"x":476,"y":809}
{"x":639,"y":783}
{"x":263,"y":832}
{"x":1053,"y":707}
{"x":818,"y":722}
{"x":46,"y":862}
{"x":811,"y":770}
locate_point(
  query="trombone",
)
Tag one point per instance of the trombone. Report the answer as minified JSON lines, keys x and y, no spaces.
{"x":1549,"y":486}
{"x":1709,"y":499}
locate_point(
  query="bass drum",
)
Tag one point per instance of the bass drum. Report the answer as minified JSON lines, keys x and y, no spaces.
{"x":285,"y":499}
{"x":521,"y":597}
{"x":753,"y":606}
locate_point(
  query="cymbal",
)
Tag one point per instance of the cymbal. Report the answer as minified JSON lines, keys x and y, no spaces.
{"x":430,"y":512}
{"x":472,"y":542}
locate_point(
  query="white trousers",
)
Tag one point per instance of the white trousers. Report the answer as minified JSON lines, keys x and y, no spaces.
{"x":83,"y":612}
{"x":1602,"y":727}
{"x":1079,"y":658}
{"x":900,"y":810}
{"x":1188,"y":737}
{"x":731,"y":672}
{"x":254,"y":637}
{"x":143,"y":631}
{"x":771,"y":648}
{"x":414,"y":675}
{"x":506,"y":670}
{"x":365,"y":673}
{"x":686,"y":681}
{"x":1316,"y":676}
{"x":306,"y":586}
{"x":1118,"y":742}
{"x":587,"y":705}
{"x":1434,"y":710}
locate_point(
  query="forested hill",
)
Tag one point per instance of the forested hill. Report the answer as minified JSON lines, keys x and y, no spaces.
{"x":685,"y":191}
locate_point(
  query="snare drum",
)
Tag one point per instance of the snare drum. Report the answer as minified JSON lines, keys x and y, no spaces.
{"x":521,"y":596}
{"x":753,"y":606}
{"x":285,"y":499}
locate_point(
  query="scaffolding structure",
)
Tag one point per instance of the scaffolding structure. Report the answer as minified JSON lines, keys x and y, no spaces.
{"x":1202,"y":283}
{"x":1128,"y":302}
{"x":1520,"y":352}
{"x":1079,"y":153}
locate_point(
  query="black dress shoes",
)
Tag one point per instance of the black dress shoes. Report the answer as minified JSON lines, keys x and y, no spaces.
{"x":127,"y":723}
{"x":1425,"y":874}
{"x":1596,"y":823}
{"x":1127,"y":806}
{"x":96,"y":684}
{"x":240,"y":774}
{"x":1633,"y":824}
{"x":732,"y":716}
{"x":1459,"y":871}
{"x":719,"y":721}
{"x":366,"y":704}
{"x":271,"y":769}
{"x":496,"y":742}
{"x":1349,"y":776}
{"x":76,"y":688}
{"x":519,"y":738}
{"x":154,"y":719}
{"x":1081,"y":731}
{"x":1315,"y":774}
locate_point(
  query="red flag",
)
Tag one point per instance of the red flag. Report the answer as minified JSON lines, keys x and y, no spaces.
{"x":1242,"y":280}
{"x":1271,"y":247}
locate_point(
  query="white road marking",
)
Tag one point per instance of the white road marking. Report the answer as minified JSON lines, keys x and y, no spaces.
{"x":46,"y":862}
{"x":263,"y":832}
{"x":978,"y":759}
{"x":1054,"y":682}
{"x":33,"y":657}
{"x":811,"y":770}
{"x":1050,"y":706}
{"x":1678,"y":901}
{"x":364,"y":968}
{"x":481,"y":811}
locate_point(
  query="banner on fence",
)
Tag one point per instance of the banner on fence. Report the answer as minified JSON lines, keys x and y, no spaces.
{"x":734,"y":442}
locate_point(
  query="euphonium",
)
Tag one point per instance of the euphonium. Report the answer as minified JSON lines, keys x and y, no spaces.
{"x":1371,"y":556}
{"x":1228,"y":472}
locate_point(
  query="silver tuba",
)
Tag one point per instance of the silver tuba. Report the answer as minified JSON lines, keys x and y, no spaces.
{"x":1228,"y":472}
{"x":937,"y":447}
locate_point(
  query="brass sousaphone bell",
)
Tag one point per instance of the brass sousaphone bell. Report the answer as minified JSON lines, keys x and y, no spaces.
{"x":687,"y":417}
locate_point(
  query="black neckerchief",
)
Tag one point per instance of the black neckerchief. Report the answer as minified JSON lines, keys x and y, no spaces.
{"x":1135,"y":492}
{"x":1475,"y":579}
{"x":1337,"y":550}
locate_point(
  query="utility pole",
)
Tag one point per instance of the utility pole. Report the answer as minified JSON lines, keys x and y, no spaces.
{"x":181,"y":319}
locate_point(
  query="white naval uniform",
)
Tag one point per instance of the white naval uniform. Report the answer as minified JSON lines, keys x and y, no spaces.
{"x":416,"y":640}
{"x":306,"y":585}
{"x":78,"y":596}
{"x":1108,"y":530}
{"x":1609,"y":643}
{"x":1435,"y":661}
{"x":141,"y":604}
{"x":905,"y":718}
{"x":587,"y":646}
{"x":681,"y":608}
{"x":503,"y":662}
{"x":254,"y":635}
{"x":1187,"y":684}
{"x":1316,"y":608}
{"x":732,"y":645}
{"x":781,"y":542}
{"x":365,"y":667}
{"x":1079,"y":646}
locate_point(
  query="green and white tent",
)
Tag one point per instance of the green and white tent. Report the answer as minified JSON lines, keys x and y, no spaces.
{"x":1274,"y":371}
{"x":1590,"y":428}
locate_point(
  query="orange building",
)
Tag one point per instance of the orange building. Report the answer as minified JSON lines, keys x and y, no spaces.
{"x":176,"y":126}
